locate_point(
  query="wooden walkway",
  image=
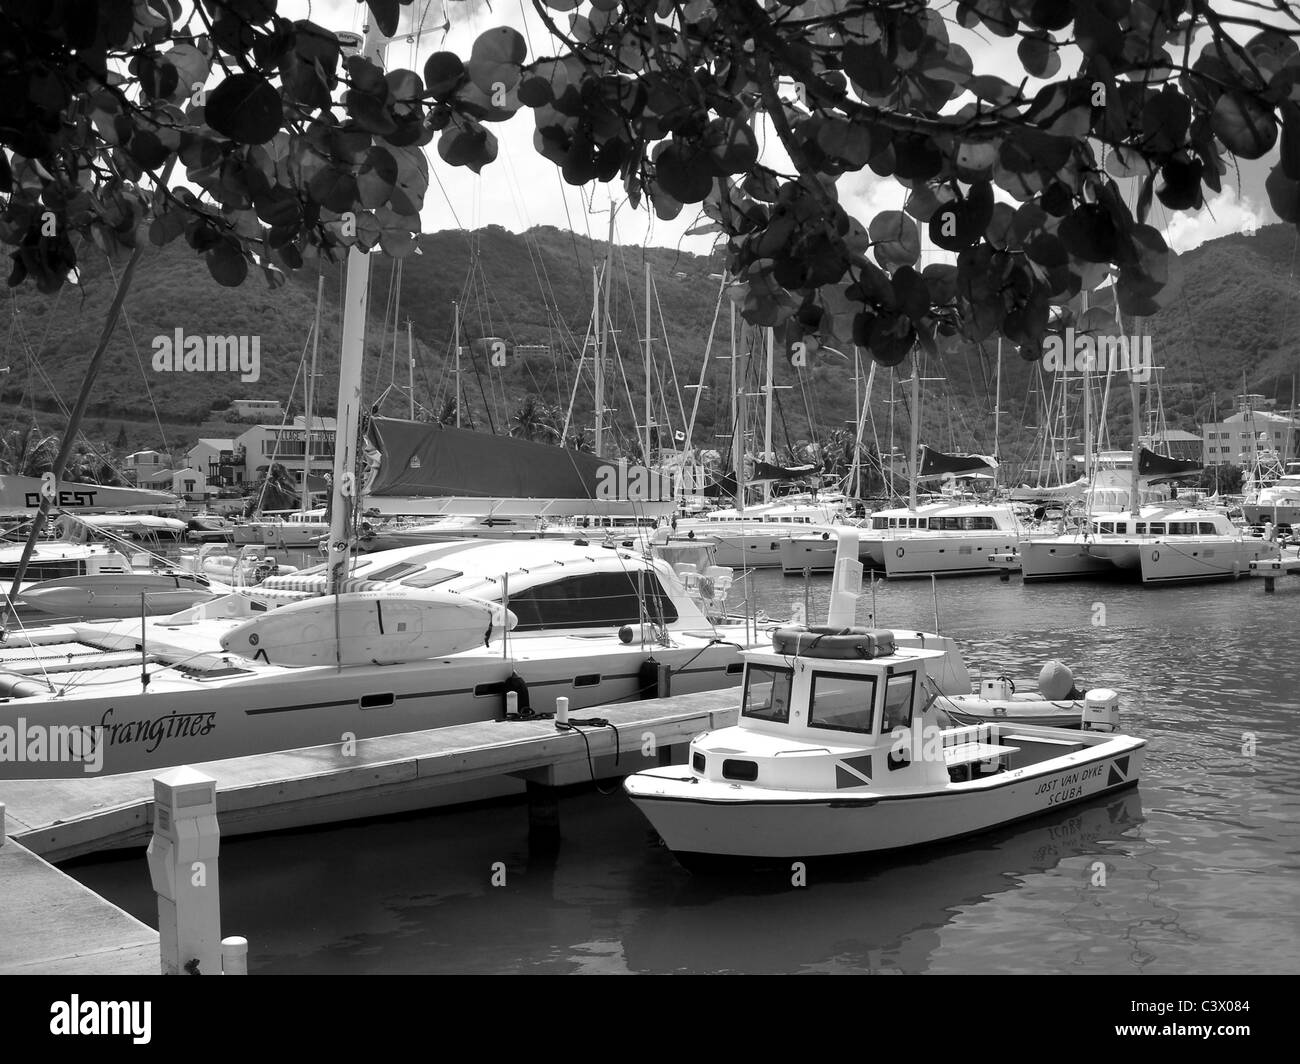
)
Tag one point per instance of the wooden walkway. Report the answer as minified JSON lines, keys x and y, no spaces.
{"x":52,"y":925}
{"x":60,"y":819}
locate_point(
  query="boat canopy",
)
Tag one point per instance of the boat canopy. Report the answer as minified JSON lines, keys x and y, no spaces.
{"x":423,"y":460}
{"x":936,"y":463}
{"x":1151,"y":464}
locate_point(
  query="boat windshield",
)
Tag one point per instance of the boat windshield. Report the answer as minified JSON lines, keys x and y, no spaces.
{"x":767,"y":693}
{"x":843,"y":701}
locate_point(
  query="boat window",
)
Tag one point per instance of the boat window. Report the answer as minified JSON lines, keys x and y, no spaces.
{"x":767,"y":693}
{"x":880,"y":522}
{"x":898,"y":702}
{"x":842,"y":701}
{"x":1106,"y":526}
{"x":592,"y":600}
{"x":430,"y":577}
{"x":394,"y":572}
{"x":1157,"y":528}
{"x":1141,"y":528}
{"x":1121,"y":527}
{"x":1208,"y":529}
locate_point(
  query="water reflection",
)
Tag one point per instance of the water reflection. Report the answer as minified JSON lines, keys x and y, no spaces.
{"x":1198,"y":868}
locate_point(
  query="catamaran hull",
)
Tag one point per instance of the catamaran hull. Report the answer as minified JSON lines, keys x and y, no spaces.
{"x":317,"y":706}
{"x":813,"y":554}
{"x":717,"y":820}
{"x":1170,"y":562}
{"x":1063,"y":560}
{"x":945,"y":556}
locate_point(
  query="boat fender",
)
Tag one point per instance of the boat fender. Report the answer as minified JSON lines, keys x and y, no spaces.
{"x":1055,"y":680}
{"x":899,"y":552}
{"x":647,"y":679}
{"x":516,"y":685}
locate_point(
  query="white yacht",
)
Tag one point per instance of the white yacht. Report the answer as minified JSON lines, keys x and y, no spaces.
{"x":752,"y":537}
{"x":1277,"y":501}
{"x":593,"y":623}
{"x":941,"y":538}
{"x":1157,"y":545}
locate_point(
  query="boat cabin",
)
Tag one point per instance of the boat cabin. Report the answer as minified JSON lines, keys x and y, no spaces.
{"x":813,"y":721}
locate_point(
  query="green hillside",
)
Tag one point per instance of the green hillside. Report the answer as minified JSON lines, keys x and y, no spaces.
{"x":1236,"y":315}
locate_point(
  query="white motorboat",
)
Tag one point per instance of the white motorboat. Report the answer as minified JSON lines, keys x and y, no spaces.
{"x":836,"y":754}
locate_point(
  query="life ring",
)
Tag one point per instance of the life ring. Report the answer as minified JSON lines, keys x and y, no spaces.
{"x":843,"y":643}
{"x":899,"y":552}
{"x":1155,"y":555}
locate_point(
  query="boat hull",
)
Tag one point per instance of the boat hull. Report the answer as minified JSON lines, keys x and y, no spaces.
{"x":748,"y":823}
{"x":1018,"y":709}
{"x":1169,"y":562}
{"x":1063,"y":559}
{"x":289,"y":709}
{"x":945,"y":555}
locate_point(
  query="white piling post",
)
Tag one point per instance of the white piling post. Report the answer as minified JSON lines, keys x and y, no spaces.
{"x":183,"y":868}
{"x":234,"y":955}
{"x":561,"y":717}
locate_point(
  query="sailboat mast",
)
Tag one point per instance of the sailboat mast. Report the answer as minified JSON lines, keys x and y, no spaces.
{"x":410,"y":365}
{"x":346,"y":444}
{"x":916,"y":431}
{"x":307,"y":404}
{"x":997,"y":415}
{"x":646,"y":451}
{"x":604,"y":340}
{"x":767,"y":429}
{"x":1134,"y":497}
{"x":455,"y":317}
{"x":737,"y":429}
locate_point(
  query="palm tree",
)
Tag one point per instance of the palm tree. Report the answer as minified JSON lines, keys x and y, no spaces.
{"x":533,"y":418}
{"x":27,"y":452}
{"x":446,"y":414}
{"x":273,"y":490}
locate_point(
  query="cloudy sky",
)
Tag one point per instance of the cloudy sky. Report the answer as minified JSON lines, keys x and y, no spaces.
{"x":521,"y":189}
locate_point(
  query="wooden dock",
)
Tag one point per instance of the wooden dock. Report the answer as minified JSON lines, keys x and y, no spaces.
{"x":52,"y":925}
{"x":1272,"y":568}
{"x":60,"y":819}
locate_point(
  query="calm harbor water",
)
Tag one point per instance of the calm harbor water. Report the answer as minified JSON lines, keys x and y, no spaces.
{"x":1197,"y":871}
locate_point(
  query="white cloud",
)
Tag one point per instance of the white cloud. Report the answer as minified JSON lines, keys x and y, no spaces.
{"x":1228,"y":212}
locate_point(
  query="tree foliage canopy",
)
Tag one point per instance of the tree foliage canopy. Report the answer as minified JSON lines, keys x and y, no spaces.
{"x":302,"y":147}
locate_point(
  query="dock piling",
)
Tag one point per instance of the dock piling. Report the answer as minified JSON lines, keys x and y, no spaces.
{"x":543,"y":817}
{"x":183,"y":868}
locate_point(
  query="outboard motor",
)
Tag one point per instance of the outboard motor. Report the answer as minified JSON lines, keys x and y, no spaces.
{"x":1100,"y":710}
